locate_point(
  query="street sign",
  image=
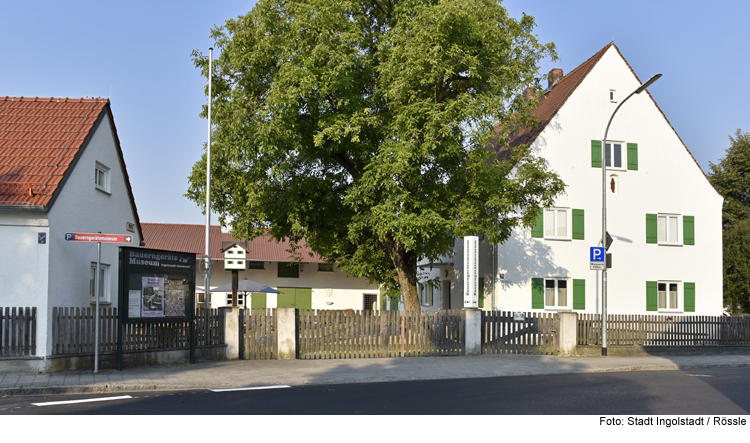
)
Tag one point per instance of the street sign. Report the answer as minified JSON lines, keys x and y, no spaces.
{"x":609,"y":241}
{"x":99,"y":238}
{"x":596,"y":258}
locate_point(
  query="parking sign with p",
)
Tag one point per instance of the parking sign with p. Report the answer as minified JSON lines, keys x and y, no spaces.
{"x":597,"y":257}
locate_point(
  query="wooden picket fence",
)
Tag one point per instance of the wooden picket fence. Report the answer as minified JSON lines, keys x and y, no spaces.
{"x":73,"y":332}
{"x":17,"y":331}
{"x":258,"y":332}
{"x":664,"y":330}
{"x":530,"y":333}
{"x":329,"y":334}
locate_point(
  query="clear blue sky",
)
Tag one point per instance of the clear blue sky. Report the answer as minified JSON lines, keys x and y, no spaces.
{"x":142,"y":51}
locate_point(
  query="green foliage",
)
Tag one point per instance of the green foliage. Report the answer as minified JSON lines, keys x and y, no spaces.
{"x":730,"y":177}
{"x":362,"y":127}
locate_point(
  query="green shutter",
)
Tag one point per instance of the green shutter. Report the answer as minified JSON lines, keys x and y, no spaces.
{"x":481,"y":292}
{"x":578,"y":227}
{"x":596,"y":153}
{"x":432,"y":293}
{"x":258,"y":300}
{"x":689,"y":297}
{"x":303,"y":298}
{"x":579,"y":294}
{"x":651,"y":228}
{"x":288,"y":270}
{"x":381,"y":296}
{"x":420,"y":291}
{"x":633,"y":156}
{"x":651,"y":296}
{"x":286,"y":298}
{"x":537,"y":231}
{"x":688,"y":230}
{"x":537,"y":293}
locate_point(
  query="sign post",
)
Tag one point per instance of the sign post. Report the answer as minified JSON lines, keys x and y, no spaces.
{"x":98,"y":238}
{"x":471,"y":272}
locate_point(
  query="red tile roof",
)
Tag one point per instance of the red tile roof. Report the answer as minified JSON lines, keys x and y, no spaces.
{"x":40,"y":139}
{"x":192,"y":238}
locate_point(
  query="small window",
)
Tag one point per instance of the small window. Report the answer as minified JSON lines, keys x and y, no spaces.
{"x":668,"y":230}
{"x":288,"y":270}
{"x":556,"y":223}
{"x":668,"y":296}
{"x":101,"y":177}
{"x":240,"y":299}
{"x":612,"y":96}
{"x":325,"y":267}
{"x":201,"y":299}
{"x":613,"y":155}
{"x":103,"y":282}
{"x":556,"y":293}
{"x":255,"y":265}
{"x":369,"y":302}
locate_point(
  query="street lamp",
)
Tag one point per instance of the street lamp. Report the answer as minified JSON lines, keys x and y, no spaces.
{"x":640,"y":89}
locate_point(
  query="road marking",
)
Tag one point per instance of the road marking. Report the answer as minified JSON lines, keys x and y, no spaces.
{"x":88,"y":400}
{"x":698,"y":375}
{"x":250,"y":389}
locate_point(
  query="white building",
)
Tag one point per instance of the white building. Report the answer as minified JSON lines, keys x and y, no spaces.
{"x":310,"y":283}
{"x":663,"y":214}
{"x":49,"y":150}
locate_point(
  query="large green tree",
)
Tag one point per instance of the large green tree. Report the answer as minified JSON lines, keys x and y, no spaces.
{"x":731,"y":177}
{"x":362,"y":126}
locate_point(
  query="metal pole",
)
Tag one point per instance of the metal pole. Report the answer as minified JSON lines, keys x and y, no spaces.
{"x":97,"y":284}
{"x":207,"y":300}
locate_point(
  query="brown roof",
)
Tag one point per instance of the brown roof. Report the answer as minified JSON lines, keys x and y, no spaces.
{"x":192,"y":238}
{"x":40,"y":139}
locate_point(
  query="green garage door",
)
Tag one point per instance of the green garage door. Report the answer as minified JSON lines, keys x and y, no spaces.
{"x":300,"y":298}
{"x":258,"y":300}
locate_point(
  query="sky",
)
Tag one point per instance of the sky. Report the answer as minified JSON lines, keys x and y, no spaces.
{"x":138,"y":54}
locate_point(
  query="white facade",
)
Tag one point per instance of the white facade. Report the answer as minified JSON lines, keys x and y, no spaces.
{"x":330,"y":289}
{"x":57,"y":273}
{"x":668,"y":184}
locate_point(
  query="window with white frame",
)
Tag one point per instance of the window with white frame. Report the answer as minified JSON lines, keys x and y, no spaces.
{"x":101,"y":177}
{"x":668,"y":228}
{"x":668,"y":296}
{"x":240,"y":299}
{"x":103,"y":282}
{"x":557,"y":223}
{"x":556,"y":293}
{"x":613,"y":155}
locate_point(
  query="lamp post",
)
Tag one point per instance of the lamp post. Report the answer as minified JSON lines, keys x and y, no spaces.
{"x":640,"y":89}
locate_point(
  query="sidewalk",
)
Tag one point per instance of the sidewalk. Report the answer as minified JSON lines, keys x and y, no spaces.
{"x":235,"y":373}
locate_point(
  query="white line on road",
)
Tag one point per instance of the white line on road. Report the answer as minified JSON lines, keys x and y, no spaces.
{"x":250,"y":389}
{"x":70,"y":402}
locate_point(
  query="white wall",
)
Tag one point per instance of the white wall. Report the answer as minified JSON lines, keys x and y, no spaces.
{"x":668,"y":180}
{"x":81,"y":207}
{"x":346,"y":292}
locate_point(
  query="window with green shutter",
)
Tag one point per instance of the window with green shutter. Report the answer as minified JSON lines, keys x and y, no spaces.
{"x":537,"y":231}
{"x":579,"y":294}
{"x":596,"y":153}
{"x":651,"y":296}
{"x":632,"y":156}
{"x":689,"y":297}
{"x":537,"y":293}
{"x":688,"y":229}
{"x":578,"y":226}
{"x":651,"y":228}
{"x":288,"y":270}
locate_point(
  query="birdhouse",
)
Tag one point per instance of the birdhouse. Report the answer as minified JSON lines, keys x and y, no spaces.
{"x":235,"y":257}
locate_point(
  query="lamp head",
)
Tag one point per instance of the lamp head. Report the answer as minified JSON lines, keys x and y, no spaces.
{"x":648,"y":83}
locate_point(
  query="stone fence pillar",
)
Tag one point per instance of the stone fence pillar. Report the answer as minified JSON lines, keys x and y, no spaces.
{"x":231,"y":331}
{"x":568,"y":333}
{"x":286,"y":338}
{"x":472,"y":320}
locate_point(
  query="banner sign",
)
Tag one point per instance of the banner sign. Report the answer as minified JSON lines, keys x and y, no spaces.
{"x":471,"y":272}
{"x":103,"y":238}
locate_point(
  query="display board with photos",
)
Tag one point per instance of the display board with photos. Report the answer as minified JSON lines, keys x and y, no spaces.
{"x":156,"y":286}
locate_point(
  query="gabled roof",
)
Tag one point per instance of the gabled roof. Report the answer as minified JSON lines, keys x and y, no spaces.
{"x":192,"y":239}
{"x":226,"y":245}
{"x":40,"y":140}
{"x":550,"y":105}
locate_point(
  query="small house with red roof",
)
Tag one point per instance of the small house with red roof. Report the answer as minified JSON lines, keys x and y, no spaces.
{"x":305,"y":280}
{"x":663,"y":214}
{"x":50,"y":148}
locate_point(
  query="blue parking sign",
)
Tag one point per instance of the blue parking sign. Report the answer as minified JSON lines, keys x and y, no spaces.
{"x":597,"y":254}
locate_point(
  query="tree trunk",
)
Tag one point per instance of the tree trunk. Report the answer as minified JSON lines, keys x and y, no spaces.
{"x":405,"y":263}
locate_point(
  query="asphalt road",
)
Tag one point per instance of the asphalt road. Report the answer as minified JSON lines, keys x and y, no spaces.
{"x":700,"y":392}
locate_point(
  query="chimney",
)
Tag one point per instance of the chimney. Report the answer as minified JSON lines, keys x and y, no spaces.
{"x":554,"y":75}
{"x":528,"y":93}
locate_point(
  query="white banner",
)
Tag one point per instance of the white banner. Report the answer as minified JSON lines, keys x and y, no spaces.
{"x":471,"y":272}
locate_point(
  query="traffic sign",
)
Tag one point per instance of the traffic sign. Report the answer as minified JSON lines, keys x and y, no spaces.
{"x":596,"y":256}
{"x":99,"y":238}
